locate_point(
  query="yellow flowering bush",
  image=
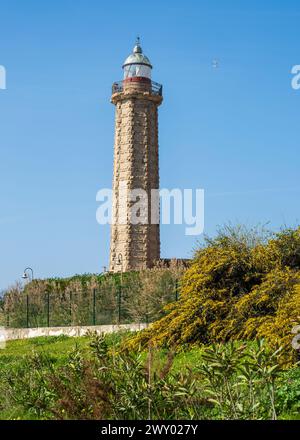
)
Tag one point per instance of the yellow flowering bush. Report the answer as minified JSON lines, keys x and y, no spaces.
{"x":239,"y":286}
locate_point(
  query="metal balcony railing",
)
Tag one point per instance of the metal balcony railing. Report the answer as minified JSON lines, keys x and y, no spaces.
{"x":156,"y":88}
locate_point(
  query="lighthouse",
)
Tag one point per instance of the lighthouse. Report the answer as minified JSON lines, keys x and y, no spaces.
{"x":135,"y":245}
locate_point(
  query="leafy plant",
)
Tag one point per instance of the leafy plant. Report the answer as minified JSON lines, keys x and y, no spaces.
{"x":240,"y":286}
{"x":241,"y":381}
{"x":101,"y":380}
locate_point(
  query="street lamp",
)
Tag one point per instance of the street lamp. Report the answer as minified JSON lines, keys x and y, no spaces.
{"x":25,"y":275}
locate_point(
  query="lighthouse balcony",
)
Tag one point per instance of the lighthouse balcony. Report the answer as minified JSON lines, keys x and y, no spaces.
{"x":137,"y":83}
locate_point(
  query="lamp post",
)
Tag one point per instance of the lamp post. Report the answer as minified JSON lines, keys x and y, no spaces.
{"x":25,"y":276}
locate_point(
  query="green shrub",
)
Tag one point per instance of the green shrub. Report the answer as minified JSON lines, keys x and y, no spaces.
{"x":227,"y":381}
{"x":239,"y":286}
{"x":92,"y":299}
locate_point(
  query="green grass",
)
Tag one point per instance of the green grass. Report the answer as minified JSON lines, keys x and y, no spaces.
{"x":57,"y":349}
{"x":56,"y":346}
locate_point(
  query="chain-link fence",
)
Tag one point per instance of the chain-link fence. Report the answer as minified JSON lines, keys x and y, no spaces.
{"x":107,"y":304}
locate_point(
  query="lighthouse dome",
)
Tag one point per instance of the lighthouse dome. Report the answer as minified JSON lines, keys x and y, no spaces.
{"x":137,"y":64}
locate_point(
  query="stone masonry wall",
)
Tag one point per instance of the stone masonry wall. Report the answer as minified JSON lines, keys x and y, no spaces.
{"x":135,"y":166}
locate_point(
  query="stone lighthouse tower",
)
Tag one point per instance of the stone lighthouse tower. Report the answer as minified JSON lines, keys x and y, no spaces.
{"x":135,"y":244}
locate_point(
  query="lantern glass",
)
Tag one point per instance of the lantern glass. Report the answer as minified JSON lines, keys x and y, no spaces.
{"x":137,"y":70}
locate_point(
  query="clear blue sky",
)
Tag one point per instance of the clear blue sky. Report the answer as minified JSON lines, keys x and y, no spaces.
{"x":233,"y":131}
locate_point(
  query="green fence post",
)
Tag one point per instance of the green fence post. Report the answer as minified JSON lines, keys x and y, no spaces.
{"x":119,"y":304}
{"x":27,"y":310}
{"x":94,"y":306}
{"x":48,"y":309}
{"x":176,"y":290}
{"x":71,"y":317}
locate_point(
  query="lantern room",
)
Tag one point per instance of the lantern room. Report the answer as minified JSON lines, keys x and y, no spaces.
{"x":137,"y":65}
